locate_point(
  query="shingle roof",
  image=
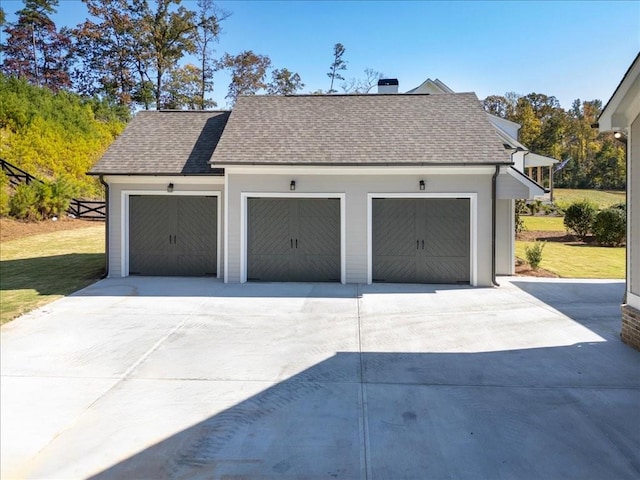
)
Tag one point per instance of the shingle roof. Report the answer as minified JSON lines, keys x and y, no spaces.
{"x":395,"y":129}
{"x":165,"y":142}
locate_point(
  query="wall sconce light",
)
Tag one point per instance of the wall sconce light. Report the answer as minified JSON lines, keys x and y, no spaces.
{"x":170,"y":188}
{"x":292,"y":185}
{"x":620,"y":136}
{"x":422,"y":185}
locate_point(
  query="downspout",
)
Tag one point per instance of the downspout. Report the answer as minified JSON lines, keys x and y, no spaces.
{"x":106,"y":227}
{"x":494,"y":198}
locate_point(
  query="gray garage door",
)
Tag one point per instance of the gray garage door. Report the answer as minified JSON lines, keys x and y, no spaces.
{"x":421,"y":240}
{"x":293,"y":239}
{"x":172,"y":235}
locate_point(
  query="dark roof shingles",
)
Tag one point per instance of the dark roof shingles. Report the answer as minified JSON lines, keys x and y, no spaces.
{"x":165,"y":142}
{"x":395,"y":129}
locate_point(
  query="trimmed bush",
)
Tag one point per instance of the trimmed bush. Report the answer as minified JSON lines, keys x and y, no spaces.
{"x":610,"y":226}
{"x":578,"y":218}
{"x":534,"y":254}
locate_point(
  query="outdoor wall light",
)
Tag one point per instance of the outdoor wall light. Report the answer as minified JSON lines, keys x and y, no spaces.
{"x":170,"y":188}
{"x":422,"y":185}
{"x":292,"y":185}
{"x":620,"y":136}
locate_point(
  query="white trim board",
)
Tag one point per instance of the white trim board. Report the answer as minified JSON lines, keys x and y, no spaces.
{"x":633,"y":300}
{"x":473,"y":226}
{"x":244,"y":219}
{"x":362,"y":170}
{"x":124,"y":219}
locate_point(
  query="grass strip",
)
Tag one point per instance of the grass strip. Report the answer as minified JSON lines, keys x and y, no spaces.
{"x":39,"y":269}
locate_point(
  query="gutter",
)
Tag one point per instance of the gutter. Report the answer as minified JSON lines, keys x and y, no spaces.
{"x":106,"y":227}
{"x":494,"y":198}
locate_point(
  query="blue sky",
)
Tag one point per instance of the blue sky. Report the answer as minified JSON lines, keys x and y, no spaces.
{"x":568,"y":49}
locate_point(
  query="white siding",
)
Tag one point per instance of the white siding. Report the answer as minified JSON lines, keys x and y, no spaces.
{"x":356,"y":188}
{"x":633,"y":211}
{"x":153,"y":185}
{"x":505,"y":237}
{"x":509,"y":187}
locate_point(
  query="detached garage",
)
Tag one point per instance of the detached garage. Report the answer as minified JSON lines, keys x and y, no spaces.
{"x":387,"y":188}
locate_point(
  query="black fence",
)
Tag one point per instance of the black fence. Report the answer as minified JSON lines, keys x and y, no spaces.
{"x":16,"y":175}
{"x":86,"y":209}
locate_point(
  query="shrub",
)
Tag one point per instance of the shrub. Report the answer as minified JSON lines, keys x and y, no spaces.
{"x":24,"y":202}
{"x":534,"y":254}
{"x":535,"y":206}
{"x":4,"y":194}
{"x":41,"y":200}
{"x":610,"y":226}
{"x":54,"y":198}
{"x":578,"y":218}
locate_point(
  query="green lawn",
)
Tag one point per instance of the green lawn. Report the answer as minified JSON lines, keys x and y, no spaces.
{"x":546,"y":224}
{"x":39,"y":269}
{"x":563,"y":197}
{"x":581,"y":260}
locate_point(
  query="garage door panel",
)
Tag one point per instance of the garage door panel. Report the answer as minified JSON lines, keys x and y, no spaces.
{"x":395,"y":240}
{"x":317,"y":247}
{"x":445,"y":270}
{"x":196,"y":241}
{"x":268,"y":228}
{"x":395,"y":270}
{"x":269,"y":268}
{"x":421,"y":240}
{"x":196,"y":265}
{"x":172,"y":235}
{"x":291,"y":239}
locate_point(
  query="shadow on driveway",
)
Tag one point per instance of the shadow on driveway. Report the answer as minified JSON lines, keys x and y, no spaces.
{"x":537,"y":413}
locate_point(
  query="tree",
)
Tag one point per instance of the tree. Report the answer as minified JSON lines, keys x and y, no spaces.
{"x":35,"y":49}
{"x":338,"y":65}
{"x":362,"y":85}
{"x":503,"y":107}
{"x":207,"y":32}
{"x":183,"y":89}
{"x":284,"y":82}
{"x":109,"y":58}
{"x":165,"y":35}
{"x":248,"y":72}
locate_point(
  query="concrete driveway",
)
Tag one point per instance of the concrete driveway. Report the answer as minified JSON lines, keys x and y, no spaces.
{"x":191,"y":378}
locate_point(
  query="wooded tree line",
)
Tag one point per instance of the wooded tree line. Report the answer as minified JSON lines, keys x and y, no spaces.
{"x":588,"y":159}
{"x":130,"y":54}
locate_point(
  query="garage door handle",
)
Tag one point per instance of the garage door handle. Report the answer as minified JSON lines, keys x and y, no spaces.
{"x":169,"y":239}
{"x":417,"y":244}
{"x":296,"y":243}
{"x":423,"y":244}
{"x":175,"y":241}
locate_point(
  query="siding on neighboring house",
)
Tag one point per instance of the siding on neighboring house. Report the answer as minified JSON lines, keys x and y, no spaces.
{"x":634,"y":211}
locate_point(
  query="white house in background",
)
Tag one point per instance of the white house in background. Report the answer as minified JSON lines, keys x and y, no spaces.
{"x":344,"y":188}
{"x":524,"y":161}
{"x":622,"y":115}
